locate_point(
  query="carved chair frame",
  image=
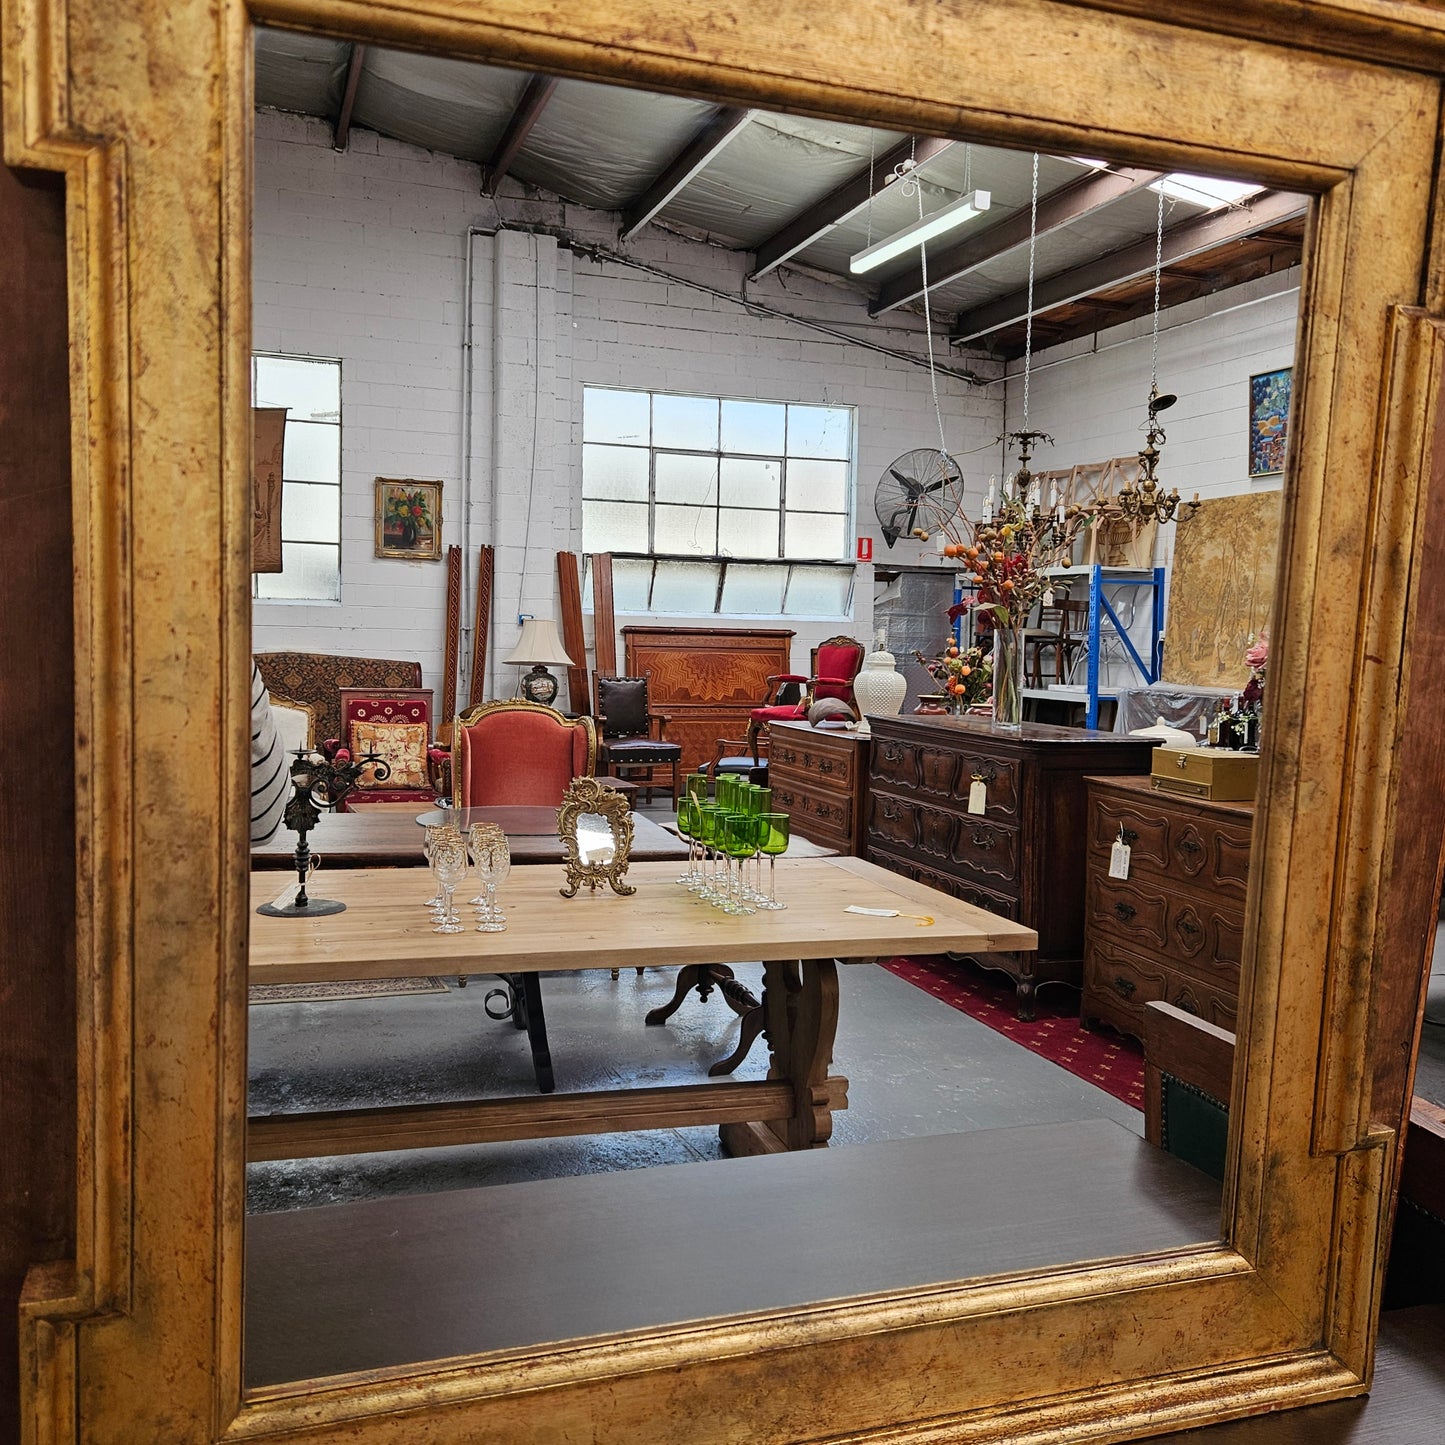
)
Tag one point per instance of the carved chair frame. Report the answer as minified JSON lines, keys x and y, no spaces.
{"x":145,"y":107}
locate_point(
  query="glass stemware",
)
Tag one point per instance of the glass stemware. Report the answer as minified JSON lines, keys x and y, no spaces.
{"x":687,"y":827}
{"x":433,"y":836}
{"x":495,"y":865}
{"x":738,"y":843}
{"x":773,"y":840}
{"x":479,"y":835}
{"x":449,"y":858}
{"x":707,"y":819}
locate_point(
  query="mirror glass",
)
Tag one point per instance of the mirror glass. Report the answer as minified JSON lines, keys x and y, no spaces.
{"x":595,"y":843}
{"x":491,"y":316}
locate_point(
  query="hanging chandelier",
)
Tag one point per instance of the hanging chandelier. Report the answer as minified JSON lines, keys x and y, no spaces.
{"x":1144,"y":500}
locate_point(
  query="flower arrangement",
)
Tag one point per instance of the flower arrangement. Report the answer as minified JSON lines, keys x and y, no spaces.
{"x":963,"y":675}
{"x":408,"y":510}
{"x":1256,"y":658}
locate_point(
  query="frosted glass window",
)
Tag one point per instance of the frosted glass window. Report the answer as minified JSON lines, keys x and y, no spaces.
{"x":309,"y":573}
{"x":685,"y":421}
{"x":812,"y":534}
{"x":616,"y":416}
{"x":818,"y":592}
{"x":820,"y":431}
{"x":685,"y":587}
{"x":747,"y":533}
{"x":751,"y":482}
{"x":685,"y":479}
{"x":309,"y":389}
{"x":685,"y":530}
{"x":817,"y":486}
{"x":309,"y":514}
{"x":754,"y":591}
{"x":760,"y":427}
{"x":615,"y":526}
{"x":312,"y":452}
{"x":618,"y":474}
{"x":631,"y":584}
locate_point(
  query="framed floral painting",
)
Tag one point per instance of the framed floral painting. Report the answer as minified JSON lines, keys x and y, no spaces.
{"x":1269,"y":393}
{"x":408,"y":519}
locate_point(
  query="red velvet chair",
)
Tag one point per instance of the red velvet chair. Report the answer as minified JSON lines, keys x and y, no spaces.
{"x":397,"y":724}
{"x":835,"y":664}
{"x":519,"y":754}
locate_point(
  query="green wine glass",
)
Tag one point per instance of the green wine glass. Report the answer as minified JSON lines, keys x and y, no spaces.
{"x":774,"y":841}
{"x":738,"y":841}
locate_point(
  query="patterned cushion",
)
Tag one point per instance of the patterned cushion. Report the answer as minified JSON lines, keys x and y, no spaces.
{"x":401,"y":744}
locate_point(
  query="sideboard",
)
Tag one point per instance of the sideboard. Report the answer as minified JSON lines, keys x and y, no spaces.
{"x":999,"y":819}
{"x":817,"y":778}
{"x":706,"y":679}
{"x":1173,"y":929}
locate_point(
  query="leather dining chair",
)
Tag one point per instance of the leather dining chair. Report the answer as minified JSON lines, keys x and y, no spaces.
{"x":632,"y":737}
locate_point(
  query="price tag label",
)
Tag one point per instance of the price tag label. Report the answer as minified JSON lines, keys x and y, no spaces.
{"x":286,"y":897}
{"x":1119,"y":860}
{"x":977,"y":796}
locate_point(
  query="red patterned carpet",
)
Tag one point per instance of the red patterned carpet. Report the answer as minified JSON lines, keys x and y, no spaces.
{"x":1113,"y":1062}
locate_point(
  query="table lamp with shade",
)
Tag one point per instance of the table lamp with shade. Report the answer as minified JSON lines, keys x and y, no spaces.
{"x":540,"y":646}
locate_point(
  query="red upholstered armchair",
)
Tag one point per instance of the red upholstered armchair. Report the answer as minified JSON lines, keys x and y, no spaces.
{"x":397,"y":724}
{"x":835,"y":664}
{"x":519,"y":753}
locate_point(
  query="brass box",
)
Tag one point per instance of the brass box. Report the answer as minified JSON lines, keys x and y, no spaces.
{"x":1218,"y":773}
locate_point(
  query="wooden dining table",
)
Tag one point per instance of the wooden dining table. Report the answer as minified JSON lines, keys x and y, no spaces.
{"x":384,"y":934}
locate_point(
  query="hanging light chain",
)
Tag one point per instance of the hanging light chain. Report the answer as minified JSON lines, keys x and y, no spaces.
{"x":1158,"y":275}
{"x":928,"y":333}
{"x":1029,"y":325}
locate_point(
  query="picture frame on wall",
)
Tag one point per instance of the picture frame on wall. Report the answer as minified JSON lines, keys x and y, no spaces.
{"x":1269,"y":397}
{"x":408,"y":519}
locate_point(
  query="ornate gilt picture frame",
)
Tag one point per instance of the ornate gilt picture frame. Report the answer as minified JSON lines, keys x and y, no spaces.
{"x":145,"y":108}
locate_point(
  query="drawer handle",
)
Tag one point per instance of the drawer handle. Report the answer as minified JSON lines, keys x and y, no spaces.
{"x":1124,"y":986}
{"x":1188,"y":845}
{"x":1128,"y":835}
{"x":785,"y":755}
{"x":826,"y":765}
{"x":892,"y":753}
{"x":1185,"y":926}
{"x":1125,"y":910}
{"x":984,"y":773}
{"x":984,"y":841}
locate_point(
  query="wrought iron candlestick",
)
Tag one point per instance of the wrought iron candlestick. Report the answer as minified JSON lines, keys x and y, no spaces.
{"x":318,"y":783}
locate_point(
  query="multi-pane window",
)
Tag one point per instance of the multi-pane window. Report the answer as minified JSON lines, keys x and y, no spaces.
{"x":310,"y":390}
{"x":711,"y":504}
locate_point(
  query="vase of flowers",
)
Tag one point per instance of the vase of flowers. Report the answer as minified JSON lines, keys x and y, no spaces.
{"x":1009,"y":556}
{"x":964,"y":676}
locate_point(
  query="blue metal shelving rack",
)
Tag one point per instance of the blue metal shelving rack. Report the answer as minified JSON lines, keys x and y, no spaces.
{"x":1101,"y":610}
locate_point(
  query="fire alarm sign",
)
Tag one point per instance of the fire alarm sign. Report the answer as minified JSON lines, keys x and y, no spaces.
{"x":865,"y":549}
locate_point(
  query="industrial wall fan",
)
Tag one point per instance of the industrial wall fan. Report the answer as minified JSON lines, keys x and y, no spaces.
{"x":917,"y":494}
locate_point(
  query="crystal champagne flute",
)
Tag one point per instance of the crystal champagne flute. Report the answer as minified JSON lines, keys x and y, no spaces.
{"x":774,"y":841}
{"x":450,"y":858}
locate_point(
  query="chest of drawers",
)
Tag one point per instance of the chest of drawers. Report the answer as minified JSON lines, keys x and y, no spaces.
{"x":1174,"y":928}
{"x":1022,"y":855}
{"x":817,"y":778}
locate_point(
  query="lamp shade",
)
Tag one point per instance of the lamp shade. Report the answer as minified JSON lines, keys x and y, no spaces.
{"x":539,"y":642}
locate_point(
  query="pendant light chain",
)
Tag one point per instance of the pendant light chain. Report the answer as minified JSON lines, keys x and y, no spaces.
{"x":1158,"y":274}
{"x":872,"y":155}
{"x":928,"y":329}
{"x":1029,"y":325}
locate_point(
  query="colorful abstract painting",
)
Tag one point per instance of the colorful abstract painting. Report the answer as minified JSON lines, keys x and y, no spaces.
{"x":1269,"y":393}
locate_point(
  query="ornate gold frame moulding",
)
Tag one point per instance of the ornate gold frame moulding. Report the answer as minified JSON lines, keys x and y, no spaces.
{"x":584,"y":796}
{"x":145,"y":106}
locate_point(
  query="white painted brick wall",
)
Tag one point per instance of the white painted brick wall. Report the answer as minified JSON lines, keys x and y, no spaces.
{"x":362,"y":256}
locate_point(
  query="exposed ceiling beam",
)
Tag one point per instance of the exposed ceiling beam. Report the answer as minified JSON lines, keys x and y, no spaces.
{"x":1203,"y":233}
{"x":1059,"y":208}
{"x":690,"y":160}
{"x":341,"y":129}
{"x":838,"y":205}
{"x":528,"y":110}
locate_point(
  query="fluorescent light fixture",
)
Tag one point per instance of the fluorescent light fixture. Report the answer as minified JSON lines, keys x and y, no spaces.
{"x":975,"y":203}
{"x":1206,"y":191}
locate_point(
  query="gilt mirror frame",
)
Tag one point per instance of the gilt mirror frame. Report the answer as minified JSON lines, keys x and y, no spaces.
{"x":146,"y":107}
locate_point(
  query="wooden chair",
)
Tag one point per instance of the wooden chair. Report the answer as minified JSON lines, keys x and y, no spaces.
{"x":1064,"y":629}
{"x":630,"y":734}
{"x":1188,"y":1069}
{"x":834,"y":665}
{"x":519,"y":753}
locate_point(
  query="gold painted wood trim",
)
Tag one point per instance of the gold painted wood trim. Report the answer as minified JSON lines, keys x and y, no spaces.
{"x":142,"y":104}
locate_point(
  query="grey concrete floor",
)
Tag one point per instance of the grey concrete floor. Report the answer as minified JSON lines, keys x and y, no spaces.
{"x":915,"y":1067}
